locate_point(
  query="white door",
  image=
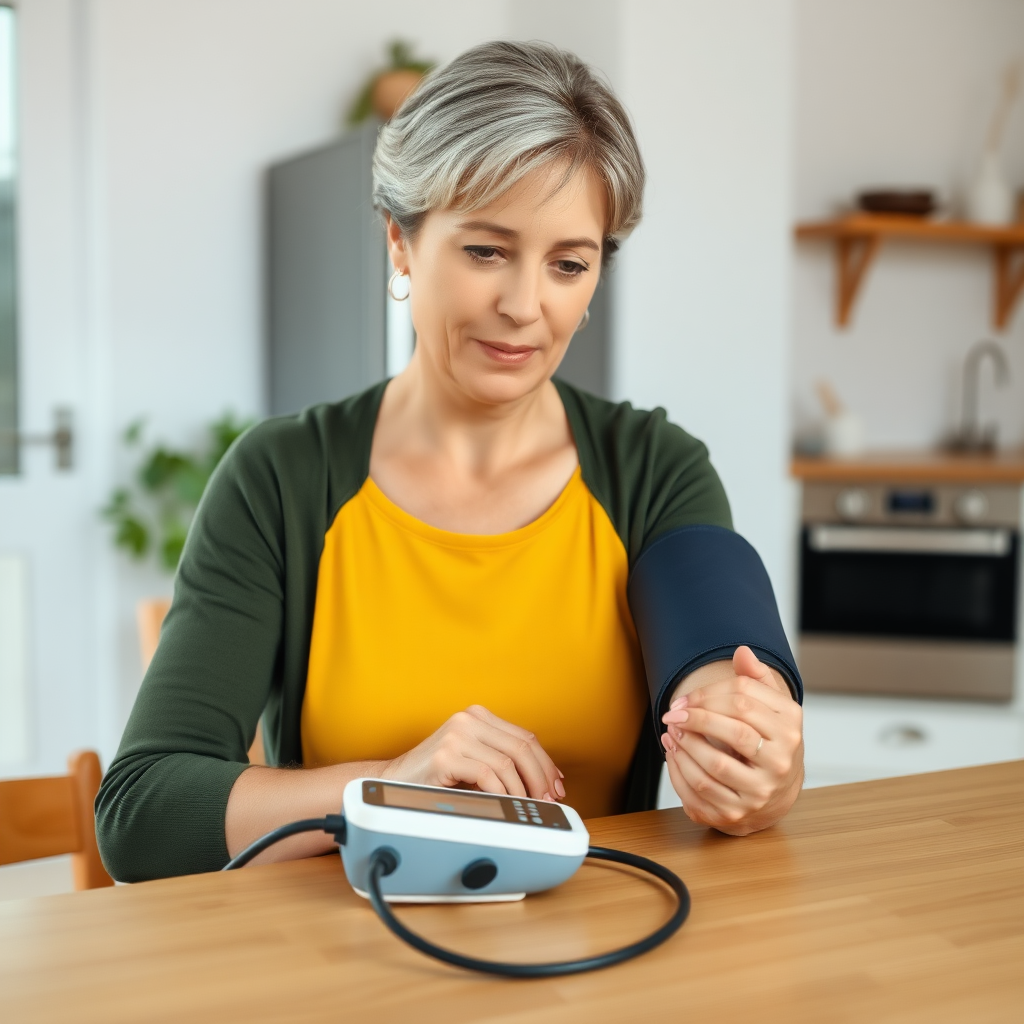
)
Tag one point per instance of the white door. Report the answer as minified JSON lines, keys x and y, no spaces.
{"x":50,"y":700}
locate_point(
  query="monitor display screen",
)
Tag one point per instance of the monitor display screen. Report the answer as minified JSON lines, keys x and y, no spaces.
{"x":464,"y":804}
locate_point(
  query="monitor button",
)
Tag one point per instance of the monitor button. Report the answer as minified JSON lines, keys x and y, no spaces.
{"x":479,"y":874}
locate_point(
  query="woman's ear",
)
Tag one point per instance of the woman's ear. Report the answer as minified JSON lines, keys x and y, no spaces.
{"x":397,"y":250}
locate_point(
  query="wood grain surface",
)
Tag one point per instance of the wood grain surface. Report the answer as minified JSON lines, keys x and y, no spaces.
{"x":899,"y":900}
{"x":914,"y":467}
{"x":923,"y":229}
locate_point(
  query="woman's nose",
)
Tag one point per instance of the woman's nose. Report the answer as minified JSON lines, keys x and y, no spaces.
{"x":520,"y":299}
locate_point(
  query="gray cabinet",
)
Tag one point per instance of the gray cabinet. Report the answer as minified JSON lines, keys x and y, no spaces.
{"x":327,"y":273}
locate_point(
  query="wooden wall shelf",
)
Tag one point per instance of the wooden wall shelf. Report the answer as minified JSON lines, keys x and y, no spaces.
{"x":1006,"y":467}
{"x":857,"y":238}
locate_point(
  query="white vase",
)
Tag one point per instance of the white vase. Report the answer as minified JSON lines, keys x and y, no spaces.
{"x":990,"y":200}
{"x":844,"y":435}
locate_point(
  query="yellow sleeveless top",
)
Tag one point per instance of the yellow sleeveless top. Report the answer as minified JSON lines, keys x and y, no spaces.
{"x":413,"y":623}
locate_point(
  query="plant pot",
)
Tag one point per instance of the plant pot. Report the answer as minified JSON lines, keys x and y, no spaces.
{"x":150,"y":614}
{"x":391,"y":89}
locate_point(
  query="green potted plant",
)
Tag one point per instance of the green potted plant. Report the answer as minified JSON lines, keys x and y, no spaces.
{"x":152,"y":514}
{"x":387,"y":88}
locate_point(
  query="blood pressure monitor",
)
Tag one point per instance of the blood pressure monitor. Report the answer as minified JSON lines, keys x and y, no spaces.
{"x":405,"y":843}
{"x":454,"y":846}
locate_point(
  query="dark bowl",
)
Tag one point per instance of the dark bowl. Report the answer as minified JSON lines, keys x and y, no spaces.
{"x":908,"y":202}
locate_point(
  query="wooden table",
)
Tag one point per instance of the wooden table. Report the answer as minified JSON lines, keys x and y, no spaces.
{"x":900,"y":900}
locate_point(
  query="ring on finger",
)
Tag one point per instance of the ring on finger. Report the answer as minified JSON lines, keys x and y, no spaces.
{"x":760,"y":743}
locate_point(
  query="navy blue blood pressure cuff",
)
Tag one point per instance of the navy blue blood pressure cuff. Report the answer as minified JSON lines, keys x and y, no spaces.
{"x":696,"y":594}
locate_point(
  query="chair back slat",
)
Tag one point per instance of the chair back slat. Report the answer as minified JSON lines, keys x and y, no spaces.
{"x":86,"y":867}
{"x":38,"y":818}
{"x":53,"y":816}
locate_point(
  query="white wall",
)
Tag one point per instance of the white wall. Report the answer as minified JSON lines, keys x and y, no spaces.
{"x":596,"y":38}
{"x":702,"y":317}
{"x":900,"y":92}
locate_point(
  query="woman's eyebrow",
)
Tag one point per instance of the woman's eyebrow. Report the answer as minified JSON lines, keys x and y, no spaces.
{"x":496,"y":229}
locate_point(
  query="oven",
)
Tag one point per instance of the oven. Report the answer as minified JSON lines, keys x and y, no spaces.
{"x":909,"y":590}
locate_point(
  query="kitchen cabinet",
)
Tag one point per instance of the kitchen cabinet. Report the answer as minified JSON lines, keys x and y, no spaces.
{"x":853,"y":739}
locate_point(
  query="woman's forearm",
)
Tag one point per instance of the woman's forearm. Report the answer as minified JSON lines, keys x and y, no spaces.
{"x":264,"y":798}
{"x":473,"y":748}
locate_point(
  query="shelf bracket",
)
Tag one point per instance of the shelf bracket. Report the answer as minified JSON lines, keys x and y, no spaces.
{"x":1009,"y":282}
{"x":854,"y":254}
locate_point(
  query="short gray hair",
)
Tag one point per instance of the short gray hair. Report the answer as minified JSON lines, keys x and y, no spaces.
{"x":494,"y":114}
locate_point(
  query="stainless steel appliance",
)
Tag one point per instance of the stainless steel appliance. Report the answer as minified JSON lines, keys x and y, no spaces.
{"x":909,"y":590}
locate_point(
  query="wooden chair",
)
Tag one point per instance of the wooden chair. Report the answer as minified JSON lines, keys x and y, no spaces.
{"x":52,"y":816}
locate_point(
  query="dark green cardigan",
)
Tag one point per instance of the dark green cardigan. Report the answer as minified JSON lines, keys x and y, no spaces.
{"x":235,"y":644}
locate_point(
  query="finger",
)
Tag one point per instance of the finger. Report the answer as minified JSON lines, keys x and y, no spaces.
{"x":534,"y":764}
{"x":482,"y":713}
{"x":696,"y":807}
{"x":522,"y":755}
{"x":728,"y":724}
{"x":746,"y":663}
{"x":711,"y":790}
{"x":736,"y":730}
{"x":503,"y":766}
{"x":767,"y":696}
{"x":738,"y":778}
{"x":466,"y":771}
{"x":739,"y":702}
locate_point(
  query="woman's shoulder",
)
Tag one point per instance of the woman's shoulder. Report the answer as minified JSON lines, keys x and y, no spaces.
{"x":618,"y":431}
{"x":329,"y":441}
{"x":343,"y":429}
{"x":649,"y":474}
{"x":296,"y":468}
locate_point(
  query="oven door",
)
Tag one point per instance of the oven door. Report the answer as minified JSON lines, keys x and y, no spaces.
{"x":953,"y":584}
{"x":912,"y":611}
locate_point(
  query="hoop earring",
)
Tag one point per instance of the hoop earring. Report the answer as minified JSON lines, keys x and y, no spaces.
{"x":391,"y":287}
{"x":584,"y":320}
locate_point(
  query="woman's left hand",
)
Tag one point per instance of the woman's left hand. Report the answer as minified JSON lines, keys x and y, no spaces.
{"x":734,"y":749}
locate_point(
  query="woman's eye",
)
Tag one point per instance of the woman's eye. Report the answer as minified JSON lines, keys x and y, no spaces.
{"x":483,"y":253}
{"x":570,"y":268}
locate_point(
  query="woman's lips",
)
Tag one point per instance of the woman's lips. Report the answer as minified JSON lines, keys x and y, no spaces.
{"x":507,"y":355}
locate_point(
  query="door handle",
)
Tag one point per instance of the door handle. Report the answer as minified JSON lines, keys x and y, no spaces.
{"x":905,"y":540}
{"x":62,"y":438}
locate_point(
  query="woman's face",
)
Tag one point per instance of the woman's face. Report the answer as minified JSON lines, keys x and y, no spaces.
{"x":497,"y":293}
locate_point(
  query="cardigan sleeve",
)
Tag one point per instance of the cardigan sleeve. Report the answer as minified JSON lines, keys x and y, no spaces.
{"x":697,"y":590}
{"x":161,"y":806}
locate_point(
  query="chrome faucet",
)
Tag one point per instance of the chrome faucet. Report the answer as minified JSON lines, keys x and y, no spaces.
{"x":973,"y":437}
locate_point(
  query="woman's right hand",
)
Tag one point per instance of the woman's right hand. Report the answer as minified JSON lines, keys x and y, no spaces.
{"x":476,"y":748}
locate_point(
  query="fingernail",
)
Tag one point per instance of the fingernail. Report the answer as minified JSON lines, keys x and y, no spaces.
{"x":667,"y":741}
{"x":679,"y":702}
{"x":559,"y":788}
{"x":680,"y":716}
{"x":561,"y":774}
{"x":546,"y":796}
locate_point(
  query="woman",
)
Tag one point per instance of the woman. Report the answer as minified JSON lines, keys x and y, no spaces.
{"x":430,"y":582}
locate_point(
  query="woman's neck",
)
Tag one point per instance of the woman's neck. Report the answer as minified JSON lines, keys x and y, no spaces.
{"x":431,"y":418}
{"x":465,"y":466}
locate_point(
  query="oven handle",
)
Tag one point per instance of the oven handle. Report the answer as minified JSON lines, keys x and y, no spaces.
{"x":992,"y":542}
